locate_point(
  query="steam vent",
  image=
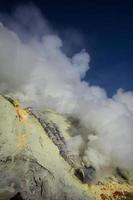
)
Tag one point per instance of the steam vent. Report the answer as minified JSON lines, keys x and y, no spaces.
{"x":36,"y":163}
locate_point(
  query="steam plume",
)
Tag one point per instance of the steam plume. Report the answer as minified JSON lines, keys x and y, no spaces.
{"x":35,"y":69}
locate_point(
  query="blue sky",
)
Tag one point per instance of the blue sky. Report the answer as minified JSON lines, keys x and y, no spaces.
{"x":103,"y":27}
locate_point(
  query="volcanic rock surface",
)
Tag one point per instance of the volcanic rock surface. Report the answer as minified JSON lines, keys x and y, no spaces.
{"x":35,"y":162}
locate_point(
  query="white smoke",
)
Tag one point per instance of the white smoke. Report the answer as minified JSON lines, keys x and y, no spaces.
{"x":34,"y":68}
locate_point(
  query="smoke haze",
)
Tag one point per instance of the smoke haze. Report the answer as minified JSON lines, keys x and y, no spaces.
{"x":34,"y":68}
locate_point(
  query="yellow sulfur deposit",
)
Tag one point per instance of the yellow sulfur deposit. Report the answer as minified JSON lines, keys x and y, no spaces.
{"x":21,"y":113}
{"x":111,"y":190}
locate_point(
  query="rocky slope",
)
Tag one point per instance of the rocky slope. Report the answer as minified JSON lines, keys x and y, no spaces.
{"x":36,"y":163}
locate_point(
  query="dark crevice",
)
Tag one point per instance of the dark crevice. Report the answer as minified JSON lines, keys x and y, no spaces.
{"x":86,"y":174}
{"x":17,"y":197}
{"x":79,"y":174}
